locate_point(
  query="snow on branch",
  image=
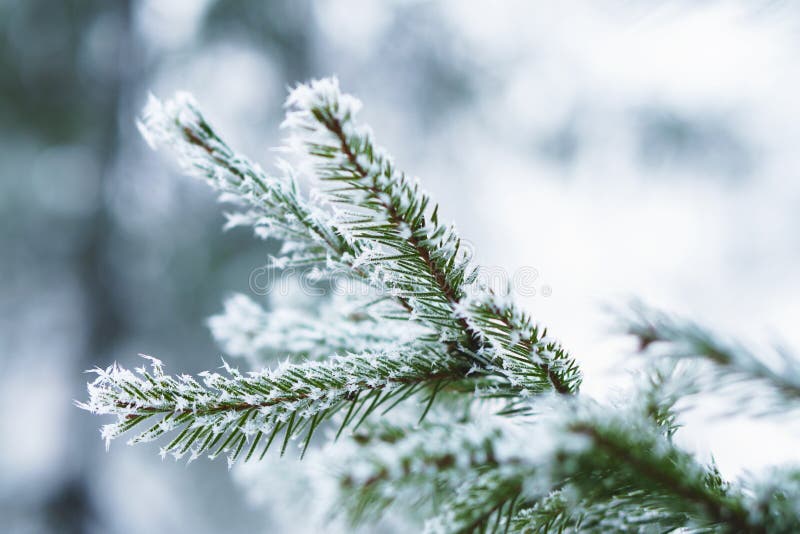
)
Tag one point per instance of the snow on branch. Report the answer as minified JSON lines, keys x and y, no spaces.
{"x":731,"y":365}
{"x":577,"y":465}
{"x":412,"y":465}
{"x":421,"y":258}
{"x":237,"y":413}
{"x":387,"y":233}
{"x":275,"y":207}
{"x":558,"y":512}
{"x":640,"y":467}
{"x":523,"y":350}
{"x":341,"y":325}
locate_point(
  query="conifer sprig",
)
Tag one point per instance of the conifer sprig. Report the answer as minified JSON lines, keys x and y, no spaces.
{"x":517,"y":342}
{"x":236,"y":413}
{"x":275,"y":207}
{"x":629,"y":455}
{"x":340,"y":325}
{"x":416,"y":465}
{"x":730,"y":363}
{"x":593,"y":468}
{"x":559,"y":512}
{"x":421,"y":258}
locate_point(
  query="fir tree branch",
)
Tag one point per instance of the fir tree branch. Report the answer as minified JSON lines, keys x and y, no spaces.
{"x":233,"y":413}
{"x":421,"y":256}
{"x":660,"y":387}
{"x":621,"y":515}
{"x":775,"y":501}
{"x":599,"y":469}
{"x":624,"y":456}
{"x":512,"y":335}
{"x":245,"y":329}
{"x":610,"y":469}
{"x":458,"y":464}
{"x":276,"y":206}
{"x":730,"y":363}
{"x":483,"y":503}
{"x":423,"y":259}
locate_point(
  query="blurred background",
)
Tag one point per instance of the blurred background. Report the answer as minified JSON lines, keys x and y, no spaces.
{"x":621,"y":148}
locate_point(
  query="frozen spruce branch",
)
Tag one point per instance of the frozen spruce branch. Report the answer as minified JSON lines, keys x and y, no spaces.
{"x":468,"y":463}
{"x":558,"y":512}
{"x":462,"y":413}
{"x":246,"y":330}
{"x":580,"y":467}
{"x":235,"y":413}
{"x":765,"y":383}
{"x":274,"y":205}
{"x":420,"y":258}
{"x":660,"y":388}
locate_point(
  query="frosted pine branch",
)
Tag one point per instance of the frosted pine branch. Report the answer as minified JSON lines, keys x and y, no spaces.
{"x":641,"y":468}
{"x":730,"y":363}
{"x":482,"y":503}
{"x":420,"y":256}
{"x":231,"y":413}
{"x":411,"y":465}
{"x":422,"y":259}
{"x":593,"y":468}
{"x":245,"y":329}
{"x":275,"y":207}
{"x":617,"y":462}
{"x":390,"y":236}
{"x":516,"y":342}
{"x":660,"y":388}
{"x":560,"y":513}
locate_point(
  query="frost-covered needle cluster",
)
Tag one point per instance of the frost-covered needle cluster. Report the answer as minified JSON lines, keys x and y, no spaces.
{"x":456,"y":405}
